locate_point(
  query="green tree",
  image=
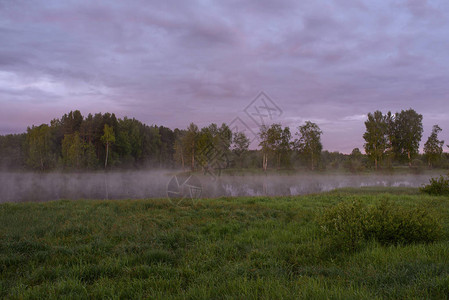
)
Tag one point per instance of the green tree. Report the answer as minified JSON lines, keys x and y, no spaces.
{"x":39,"y":147}
{"x":71,"y":122}
{"x":151,"y":143}
{"x":285,"y":145}
{"x":77,"y":153}
{"x":376,"y":136}
{"x":179,"y":155}
{"x":406,"y":134}
{"x":11,"y":151}
{"x":107,"y":138}
{"x":433,"y":148}
{"x":72,"y":150}
{"x":167,"y":137}
{"x":309,"y":142}
{"x":224,"y":138}
{"x":90,"y":158}
{"x":214,"y":146}
{"x":355,"y":161}
{"x":207,"y":145}
{"x":265,"y":145}
{"x":87,"y":129}
{"x":389,"y":151}
{"x":240,"y":145}
{"x":274,"y":140}
{"x":190,"y":143}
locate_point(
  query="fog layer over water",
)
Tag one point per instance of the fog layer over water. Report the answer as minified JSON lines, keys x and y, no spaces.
{"x":19,"y":187}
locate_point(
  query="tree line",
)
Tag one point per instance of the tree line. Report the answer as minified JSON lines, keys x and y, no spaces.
{"x":103,"y":141}
{"x":396,"y":137}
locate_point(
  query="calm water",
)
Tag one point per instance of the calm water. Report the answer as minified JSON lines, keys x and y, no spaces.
{"x":18,"y":187}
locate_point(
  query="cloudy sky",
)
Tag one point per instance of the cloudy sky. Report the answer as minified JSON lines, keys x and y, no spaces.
{"x":173,"y":62}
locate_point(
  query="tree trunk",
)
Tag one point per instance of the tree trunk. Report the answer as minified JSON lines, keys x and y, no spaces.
{"x":409,"y":159}
{"x":264,"y":162}
{"x":193,"y":159}
{"x":107,"y":154}
{"x":375,"y":164}
{"x":313,"y":163}
{"x":182,"y":160}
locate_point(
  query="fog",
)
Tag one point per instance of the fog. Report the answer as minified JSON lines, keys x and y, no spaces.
{"x":25,"y":187}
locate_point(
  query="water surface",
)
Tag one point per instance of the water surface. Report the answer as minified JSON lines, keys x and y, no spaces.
{"x":19,"y":187}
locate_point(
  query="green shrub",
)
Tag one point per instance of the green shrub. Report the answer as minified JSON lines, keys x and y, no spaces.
{"x":437,"y":186}
{"x":391,"y":224}
{"x":350,"y":225}
{"x":344,"y":226}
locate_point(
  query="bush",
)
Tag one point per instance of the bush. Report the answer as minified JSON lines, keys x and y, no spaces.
{"x":343,"y":225}
{"x":391,"y":224}
{"x":437,"y":186}
{"x":350,"y":225}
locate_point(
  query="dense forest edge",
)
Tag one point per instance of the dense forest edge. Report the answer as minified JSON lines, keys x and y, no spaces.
{"x":103,"y":141}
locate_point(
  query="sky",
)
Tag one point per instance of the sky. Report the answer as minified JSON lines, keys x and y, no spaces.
{"x":175,"y":62}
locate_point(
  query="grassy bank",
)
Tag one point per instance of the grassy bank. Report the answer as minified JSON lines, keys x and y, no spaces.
{"x":218,"y":248}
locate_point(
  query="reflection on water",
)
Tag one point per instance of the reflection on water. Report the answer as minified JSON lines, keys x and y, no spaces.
{"x":18,"y":187}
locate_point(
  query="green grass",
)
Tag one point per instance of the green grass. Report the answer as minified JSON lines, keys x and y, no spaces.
{"x":246,"y":248}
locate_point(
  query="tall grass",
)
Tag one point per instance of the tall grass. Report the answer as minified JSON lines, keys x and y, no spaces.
{"x":268,"y":248}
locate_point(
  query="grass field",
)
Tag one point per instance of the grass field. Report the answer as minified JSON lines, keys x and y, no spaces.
{"x":246,"y":248}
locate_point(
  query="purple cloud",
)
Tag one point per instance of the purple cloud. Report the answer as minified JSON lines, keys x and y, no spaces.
{"x":171,"y":62}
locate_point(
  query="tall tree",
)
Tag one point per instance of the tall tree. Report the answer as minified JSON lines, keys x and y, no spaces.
{"x":265,"y":144}
{"x":240,"y":145}
{"x":87,"y":129}
{"x":376,"y":136}
{"x":274,"y":140}
{"x":167,"y":146}
{"x":151,"y":143}
{"x":309,"y":142}
{"x":214,"y":146}
{"x":11,"y":151}
{"x":72,"y":150}
{"x":355,"y":161}
{"x":285,"y":145}
{"x":107,"y":138}
{"x":179,"y":155}
{"x":190,"y":143}
{"x":71,"y":122}
{"x":407,"y":133}
{"x":389,"y":152}
{"x":224,"y":138}
{"x":76,"y":153}
{"x":39,"y":147}
{"x":433,"y":148}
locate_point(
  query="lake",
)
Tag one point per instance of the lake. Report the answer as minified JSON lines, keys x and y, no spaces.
{"x":20,"y":187}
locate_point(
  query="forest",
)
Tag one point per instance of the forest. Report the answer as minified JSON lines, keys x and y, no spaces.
{"x":103,"y":141}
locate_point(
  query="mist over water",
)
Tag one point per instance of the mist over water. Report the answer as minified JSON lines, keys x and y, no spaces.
{"x":25,"y":187}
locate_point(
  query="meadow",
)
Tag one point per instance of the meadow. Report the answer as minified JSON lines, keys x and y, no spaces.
{"x":245,"y":248}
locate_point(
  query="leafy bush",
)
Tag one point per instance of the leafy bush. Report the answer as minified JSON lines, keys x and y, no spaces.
{"x":437,"y":186}
{"x":350,"y":225}
{"x":391,"y":224}
{"x":343,"y":224}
